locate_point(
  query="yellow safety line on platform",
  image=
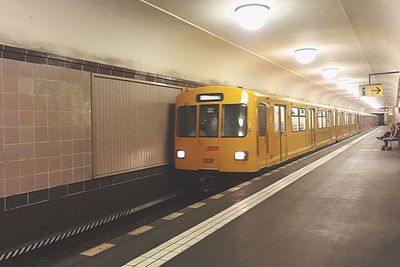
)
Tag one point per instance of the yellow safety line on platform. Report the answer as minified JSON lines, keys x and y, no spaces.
{"x":172,"y":216}
{"x":141,"y":230}
{"x":197,"y":205}
{"x":98,"y":249}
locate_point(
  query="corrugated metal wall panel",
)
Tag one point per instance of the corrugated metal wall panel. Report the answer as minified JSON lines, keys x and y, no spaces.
{"x":132,"y":124}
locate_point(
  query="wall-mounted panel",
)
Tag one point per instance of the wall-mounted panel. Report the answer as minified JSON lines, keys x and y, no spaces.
{"x":132,"y":124}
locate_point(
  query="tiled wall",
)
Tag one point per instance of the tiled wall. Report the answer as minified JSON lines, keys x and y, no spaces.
{"x":45,"y":126}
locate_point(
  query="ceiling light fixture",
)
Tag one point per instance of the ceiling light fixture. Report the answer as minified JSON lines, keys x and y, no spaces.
{"x":329,"y":73}
{"x":305,"y":55}
{"x":252,"y":16}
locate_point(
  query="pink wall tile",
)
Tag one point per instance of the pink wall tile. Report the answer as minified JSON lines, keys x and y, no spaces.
{"x":26,"y":102}
{"x":53,"y":73}
{"x":27,"y":184}
{"x":55,"y":179}
{"x":40,"y":103}
{"x":54,"y":163}
{"x":27,"y":151}
{"x":26,"y":118}
{"x":25,"y":86}
{"x":41,"y":134}
{"x":79,"y":174}
{"x":26,"y":134}
{"x":25,"y":70}
{"x":54,"y":118}
{"x":66,"y":162}
{"x":10,"y":67}
{"x":27,"y":167}
{"x":11,"y":135}
{"x":41,"y":165}
{"x":10,"y":101}
{"x":42,"y":181}
{"x":66,"y":133}
{"x":67,"y":176}
{"x":54,"y":148}
{"x":87,"y":159}
{"x":11,"y":169}
{"x":77,"y":160}
{"x":39,"y":71}
{"x":53,"y":103}
{"x":77,"y":146}
{"x":12,"y":186}
{"x":1,"y":170}
{"x":54,"y":133}
{"x":2,"y":189}
{"x":41,"y":149}
{"x":10,"y":84}
{"x":40,"y":118}
{"x":11,"y":118}
{"x":11,"y":152}
{"x":88,"y":173}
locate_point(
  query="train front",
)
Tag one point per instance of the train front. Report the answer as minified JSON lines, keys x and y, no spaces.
{"x":214,"y":130}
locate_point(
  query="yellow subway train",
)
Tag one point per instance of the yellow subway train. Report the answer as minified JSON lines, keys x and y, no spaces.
{"x":229,"y":129}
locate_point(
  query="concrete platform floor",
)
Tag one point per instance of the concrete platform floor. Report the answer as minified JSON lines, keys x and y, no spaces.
{"x":345,"y":212}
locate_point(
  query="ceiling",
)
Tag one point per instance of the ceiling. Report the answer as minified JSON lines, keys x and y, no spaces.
{"x":358,"y":37}
{"x":200,"y":40}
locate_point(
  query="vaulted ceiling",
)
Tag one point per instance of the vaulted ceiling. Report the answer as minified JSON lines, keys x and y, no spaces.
{"x":200,"y":40}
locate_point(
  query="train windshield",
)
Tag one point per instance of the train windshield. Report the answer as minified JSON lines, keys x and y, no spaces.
{"x":234,"y":120}
{"x":209,"y":115}
{"x":186,"y":126}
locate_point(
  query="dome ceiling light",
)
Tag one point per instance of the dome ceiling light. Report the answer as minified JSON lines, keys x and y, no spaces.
{"x":305,"y":55}
{"x":329,"y":73}
{"x":252,"y":16}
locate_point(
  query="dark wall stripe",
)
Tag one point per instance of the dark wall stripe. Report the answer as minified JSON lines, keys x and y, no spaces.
{"x":33,"y":56}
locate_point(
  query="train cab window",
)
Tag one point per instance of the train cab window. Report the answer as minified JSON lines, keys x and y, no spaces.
{"x":295,"y":119}
{"x":209,"y":120}
{"x":262,"y":117}
{"x":302,"y":119}
{"x":186,"y":126}
{"x":234,"y":120}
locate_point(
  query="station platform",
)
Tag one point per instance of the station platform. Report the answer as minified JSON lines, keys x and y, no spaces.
{"x":336,"y":207}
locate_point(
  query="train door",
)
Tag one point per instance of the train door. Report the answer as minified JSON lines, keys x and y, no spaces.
{"x":280,"y":130}
{"x":262,"y":139}
{"x":209,"y":119}
{"x":311,"y":123}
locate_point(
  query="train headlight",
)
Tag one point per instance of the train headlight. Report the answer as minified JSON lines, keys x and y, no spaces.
{"x":241,"y":155}
{"x":181,"y":154}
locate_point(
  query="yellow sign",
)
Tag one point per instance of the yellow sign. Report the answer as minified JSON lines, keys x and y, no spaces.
{"x":370,"y":90}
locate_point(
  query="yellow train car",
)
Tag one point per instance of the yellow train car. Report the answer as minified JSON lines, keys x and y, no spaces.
{"x":229,"y":129}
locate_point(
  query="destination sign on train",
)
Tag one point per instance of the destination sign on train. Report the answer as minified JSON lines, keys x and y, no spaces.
{"x":210,"y":97}
{"x":370,"y":90}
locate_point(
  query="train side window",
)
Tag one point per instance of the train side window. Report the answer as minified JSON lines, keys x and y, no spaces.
{"x":276,"y":119}
{"x":209,"y":120}
{"x":302,"y":114}
{"x":334,"y":118}
{"x":234,"y":120}
{"x":323,"y":119}
{"x":295,"y":119}
{"x":186,"y":126}
{"x":338,"y":119}
{"x":283,"y":119}
{"x":262,"y":117}
{"x":319,"y":118}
